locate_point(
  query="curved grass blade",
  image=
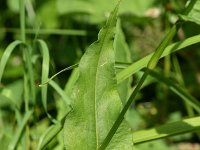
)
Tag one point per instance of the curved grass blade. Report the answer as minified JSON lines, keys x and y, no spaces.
{"x":96,"y":103}
{"x":6,"y":56}
{"x":71,"y":81}
{"x":170,"y":129}
{"x":51,"y":133}
{"x":21,"y":128}
{"x":138,"y":65}
{"x":45,"y":74}
{"x":178,"y":90}
{"x":62,"y":93}
{"x":63,"y":70}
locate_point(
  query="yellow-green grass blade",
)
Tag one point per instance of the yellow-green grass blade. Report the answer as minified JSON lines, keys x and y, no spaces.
{"x":138,"y":65}
{"x":170,"y":129}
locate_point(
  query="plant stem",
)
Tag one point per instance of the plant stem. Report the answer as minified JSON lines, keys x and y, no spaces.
{"x":151,"y":65}
{"x":26,"y":88}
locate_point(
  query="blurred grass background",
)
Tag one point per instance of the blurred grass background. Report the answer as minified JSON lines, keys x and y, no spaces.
{"x":69,"y":27}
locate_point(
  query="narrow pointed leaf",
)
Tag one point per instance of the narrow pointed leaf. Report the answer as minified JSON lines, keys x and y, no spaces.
{"x":6,"y":56}
{"x":17,"y":136}
{"x":96,"y":102}
{"x":170,"y":129}
{"x":50,"y":133}
{"x":45,"y":74}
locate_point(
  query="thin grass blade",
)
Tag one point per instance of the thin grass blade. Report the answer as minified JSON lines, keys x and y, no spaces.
{"x":15,"y":140}
{"x":61,"y":92}
{"x":178,"y":90}
{"x":138,"y":65}
{"x":6,"y":56}
{"x":45,"y":74}
{"x":170,"y":129}
{"x":51,"y":133}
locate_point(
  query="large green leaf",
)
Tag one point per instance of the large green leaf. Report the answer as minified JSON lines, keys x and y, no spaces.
{"x":122,"y":54}
{"x":194,"y":14}
{"x":96,"y":102}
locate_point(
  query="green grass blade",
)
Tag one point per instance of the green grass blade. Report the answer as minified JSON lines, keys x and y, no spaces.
{"x":6,"y":56}
{"x":21,"y":128}
{"x":138,"y":65}
{"x":63,"y":70}
{"x":61,"y":92}
{"x":170,"y":129}
{"x":151,"y":64}
{"x":178,"y":90}
{"x":71,"y":32}
{"x":45,"y":74}
{"x":51,"y":133}
{"x":30,"y":75}
{"x":179,"y":77}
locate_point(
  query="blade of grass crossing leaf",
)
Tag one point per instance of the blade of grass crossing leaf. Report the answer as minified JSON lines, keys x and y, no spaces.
{"x":96,"y":104}
{"x":21,"y":128}
{"x":6,"y":56}
{"x":151,"y":65}
{"x":45,"y":74}
{"x":170,"y":129}
{"x":129,"y":69}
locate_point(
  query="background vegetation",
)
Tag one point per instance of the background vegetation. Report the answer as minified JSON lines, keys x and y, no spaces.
{"x":68,"y":28}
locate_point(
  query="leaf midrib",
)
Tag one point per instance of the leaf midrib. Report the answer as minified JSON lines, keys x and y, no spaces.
{"x":102,"y":44}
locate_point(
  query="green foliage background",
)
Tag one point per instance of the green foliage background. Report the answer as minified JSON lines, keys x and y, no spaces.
{"x":68,"y":27}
